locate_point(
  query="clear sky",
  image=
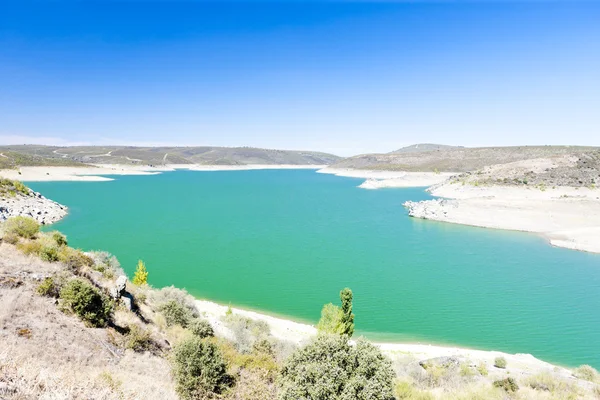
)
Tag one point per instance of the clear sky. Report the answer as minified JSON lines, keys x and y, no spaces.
{"x":341,"y":77}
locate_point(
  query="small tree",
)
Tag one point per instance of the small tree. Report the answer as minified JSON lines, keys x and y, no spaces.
{"x":141,"y":274}
{"x":338,"y":320}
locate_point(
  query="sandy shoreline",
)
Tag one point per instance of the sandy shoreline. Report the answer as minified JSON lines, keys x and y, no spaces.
{"x":299,"y":334}
{"x":567,"y":217}
{"x":93,"y":173}
{"x":389,"y":179}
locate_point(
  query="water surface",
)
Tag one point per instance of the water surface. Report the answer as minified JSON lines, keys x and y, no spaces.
{"x":286,"y":241}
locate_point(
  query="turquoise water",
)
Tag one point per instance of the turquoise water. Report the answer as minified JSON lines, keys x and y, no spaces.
{"x":287,"y":241}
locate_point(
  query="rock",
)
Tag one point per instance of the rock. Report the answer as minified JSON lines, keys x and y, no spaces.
{"x":32,"y":205}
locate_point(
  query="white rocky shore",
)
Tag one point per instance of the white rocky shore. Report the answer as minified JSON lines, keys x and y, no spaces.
{"x":389,"y":179}
{"x":34,"y":205}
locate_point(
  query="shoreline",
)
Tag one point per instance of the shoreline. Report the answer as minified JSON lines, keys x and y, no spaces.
{"x":567,"y":217}
{"x":375,"y":179}
{"x":94,"y":172}
{"x":300,"y":333}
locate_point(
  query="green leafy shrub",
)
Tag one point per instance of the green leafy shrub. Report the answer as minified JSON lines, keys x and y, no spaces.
{"x":246,"y":331}
{"x":59,"y":238}
{"x":48,"y":288}
{"x":201,"y":328}
{"x":500,"y":362}
{"x":106,"y":263}
{"x":508,"y":384}
{"x":199,"y":370}
{"x":87,"y":302}
{"x":49,"y":253}
{"x":24,"y":227}
{"x":175,"y":313}
{"x":586,"y":372}
{"x":330,"y":368}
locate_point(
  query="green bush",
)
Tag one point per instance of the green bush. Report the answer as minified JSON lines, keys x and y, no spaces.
{"x":500,"y":362}
{"x":199,"y":370}
{"x":59,"y":238}
{"x":175,"y":313}
{"x":74,"y":259}
{"x":201,"y":328}
{"x":48,"y":288}
{"x":49,"y":253}
{"x":87,"y":302}
{"x":330,"y":368}
{"x":24,"y":227}
{"x":586,"y":372}
{"x":508,"y":384}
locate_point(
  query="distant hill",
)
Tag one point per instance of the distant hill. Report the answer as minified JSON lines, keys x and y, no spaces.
{"x":25,"y":155}
{"x":423,"y":147}
{"x":456,"y":159}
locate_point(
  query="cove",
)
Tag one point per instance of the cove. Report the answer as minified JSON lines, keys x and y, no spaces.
{"x":286,"y":241}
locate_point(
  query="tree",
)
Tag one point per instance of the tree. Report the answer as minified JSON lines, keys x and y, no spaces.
{"x":141,"y":274}
{"x":347,"y":321}
{"x":338,"y":320}
{"x":331,"y":369}
{"x":331,"y":317}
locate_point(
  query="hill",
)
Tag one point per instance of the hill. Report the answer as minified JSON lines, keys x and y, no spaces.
{"x":456,"y":159}
{"x":424,"y":147}
{"x":31,"y":155}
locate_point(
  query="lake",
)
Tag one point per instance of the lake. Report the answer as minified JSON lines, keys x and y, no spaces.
{"x":286,"y":241}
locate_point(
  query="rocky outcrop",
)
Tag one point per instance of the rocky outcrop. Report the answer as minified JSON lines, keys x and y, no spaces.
{"x":33,"y":204}
{"x":429,"y":209}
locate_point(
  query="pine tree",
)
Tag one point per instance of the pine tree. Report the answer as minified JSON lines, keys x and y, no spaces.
{"x":141,"y":274}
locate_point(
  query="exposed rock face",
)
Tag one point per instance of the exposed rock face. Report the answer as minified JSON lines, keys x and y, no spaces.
{"x":34,"y":205}
{"x":429,"y":209}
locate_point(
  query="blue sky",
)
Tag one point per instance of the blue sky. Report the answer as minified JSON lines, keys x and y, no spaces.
{"x":342,"y":77}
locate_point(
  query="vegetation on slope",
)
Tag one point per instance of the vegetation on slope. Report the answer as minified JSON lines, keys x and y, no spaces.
{"x":77,"y":155}
{"x":72,"y":328}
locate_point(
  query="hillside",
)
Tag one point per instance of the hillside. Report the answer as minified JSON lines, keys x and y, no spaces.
{"x":424,"y":147}
{"x":456,"y":159}
{"x":29,"y":155}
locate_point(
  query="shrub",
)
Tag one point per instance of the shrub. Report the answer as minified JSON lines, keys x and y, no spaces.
{"x":48,"y":288}
{"x":160,"y":297}
{"x":246,"y":331}
{"x":500,"y":362}
{"x":74,"y":259}
{"x":106,"y":263}
{"x":10,"y":238}
{"x":59,"y":238}
{"x":49,"y":253}
{"x":347,"y":322}
{"x":175,"y":313}
{"x":139,"y":339}
{"x":141,"y":274}
{"x":201,"y":328}
{"x":508,"y":384}
{"x":199,"y":369}
{"x":482,"y":369}
{"x":586,"y":372}
{"x":24,"y":227}
{"x":329,"y":368}
{"x":84,"y":300}
{"x":30,"y":248}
